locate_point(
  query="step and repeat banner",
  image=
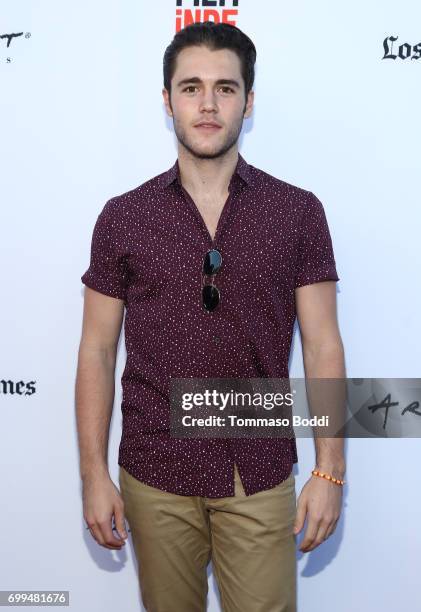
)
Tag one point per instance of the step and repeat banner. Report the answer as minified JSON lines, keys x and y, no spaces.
{"x":337,"y":97}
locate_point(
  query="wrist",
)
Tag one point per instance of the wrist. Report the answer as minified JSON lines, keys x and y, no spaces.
{"x":334,"y":469}
{"x":98,"y":471}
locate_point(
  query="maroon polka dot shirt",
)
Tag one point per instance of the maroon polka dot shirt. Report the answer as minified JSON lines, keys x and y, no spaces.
{"x":147,"y":249}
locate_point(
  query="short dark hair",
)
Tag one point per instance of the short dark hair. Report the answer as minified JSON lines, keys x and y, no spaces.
{"x":215,"y":36}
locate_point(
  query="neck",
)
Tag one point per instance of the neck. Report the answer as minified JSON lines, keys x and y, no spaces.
{"x":207,"y":176}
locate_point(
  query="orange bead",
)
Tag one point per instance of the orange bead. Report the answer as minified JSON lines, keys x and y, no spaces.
{"x":337,"y":481}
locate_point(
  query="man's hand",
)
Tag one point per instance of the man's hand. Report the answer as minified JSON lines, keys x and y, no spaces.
{"x":321,"y":501}
{"x":101,"y":502}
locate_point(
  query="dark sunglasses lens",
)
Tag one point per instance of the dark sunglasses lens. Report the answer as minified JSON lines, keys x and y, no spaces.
{"x":212,"y":263}
{"x":210,"y":296}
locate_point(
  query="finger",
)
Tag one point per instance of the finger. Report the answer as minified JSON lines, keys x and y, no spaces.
{"x":310,"y":534}
{"x":119,"y":521}
{"x":300,"y":516}
{"x":96,"y":534}
{"x":331,"y":529}
{"x":109,"y":539}
{"x":320,"y":536}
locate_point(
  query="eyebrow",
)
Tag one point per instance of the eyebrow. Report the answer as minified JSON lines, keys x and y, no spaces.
{"x":231,"y":82}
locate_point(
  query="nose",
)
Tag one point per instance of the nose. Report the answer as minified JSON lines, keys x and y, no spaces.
{"x":208,"y":100}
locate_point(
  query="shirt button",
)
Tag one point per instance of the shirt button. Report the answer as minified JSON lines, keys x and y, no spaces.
{"x":216,"y":339}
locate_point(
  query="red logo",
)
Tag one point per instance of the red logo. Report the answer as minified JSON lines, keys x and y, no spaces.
{"x":199,"y":11}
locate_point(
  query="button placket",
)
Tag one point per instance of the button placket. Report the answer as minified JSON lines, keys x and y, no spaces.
{"x":233,"y":189}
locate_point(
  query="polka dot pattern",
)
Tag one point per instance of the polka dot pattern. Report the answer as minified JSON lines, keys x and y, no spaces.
{"x":147,"y":249}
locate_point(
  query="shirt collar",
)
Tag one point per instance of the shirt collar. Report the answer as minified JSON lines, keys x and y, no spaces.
{"x":242,"y":168}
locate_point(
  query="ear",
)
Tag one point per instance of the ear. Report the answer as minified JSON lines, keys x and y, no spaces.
{"x":166,"y":97}
{"x":249,"y":105}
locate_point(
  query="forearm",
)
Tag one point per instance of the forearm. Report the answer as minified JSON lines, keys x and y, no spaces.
{"x":330,"y":456}
{"x":95,"y":388}
{"x":328,"y":362}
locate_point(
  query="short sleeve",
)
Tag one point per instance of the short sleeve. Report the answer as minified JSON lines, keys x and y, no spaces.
{"x":107,"y":268}
{"x":315,"y":259}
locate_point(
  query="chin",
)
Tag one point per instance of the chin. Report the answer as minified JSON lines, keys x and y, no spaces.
{"x":207,"y":153}
{"x":204,"y":151}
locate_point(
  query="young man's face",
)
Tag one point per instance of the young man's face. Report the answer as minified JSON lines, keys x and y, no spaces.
{"x":199,"y":94}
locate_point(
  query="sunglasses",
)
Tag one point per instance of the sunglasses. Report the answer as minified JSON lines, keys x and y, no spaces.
{"x":210,"y":294}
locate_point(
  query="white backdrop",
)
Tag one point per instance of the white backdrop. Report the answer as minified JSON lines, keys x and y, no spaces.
{"x":82,"y":120}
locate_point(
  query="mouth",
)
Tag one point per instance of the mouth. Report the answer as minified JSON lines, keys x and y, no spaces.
{"x":208,"y":127}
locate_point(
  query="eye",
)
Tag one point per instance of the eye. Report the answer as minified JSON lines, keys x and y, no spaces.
{"x":190,"y":87}
{"x":227,"y":89}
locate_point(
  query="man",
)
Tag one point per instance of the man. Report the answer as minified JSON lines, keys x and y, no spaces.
{"x":213,"y":260}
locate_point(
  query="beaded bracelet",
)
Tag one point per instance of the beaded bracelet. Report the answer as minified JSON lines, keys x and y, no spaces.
{"x":337,"y":481}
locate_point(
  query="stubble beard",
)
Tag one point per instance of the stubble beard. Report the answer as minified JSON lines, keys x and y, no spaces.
{"x":220,"y":150}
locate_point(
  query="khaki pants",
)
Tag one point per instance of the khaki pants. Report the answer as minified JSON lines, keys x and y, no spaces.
{"x":249,"y":539}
